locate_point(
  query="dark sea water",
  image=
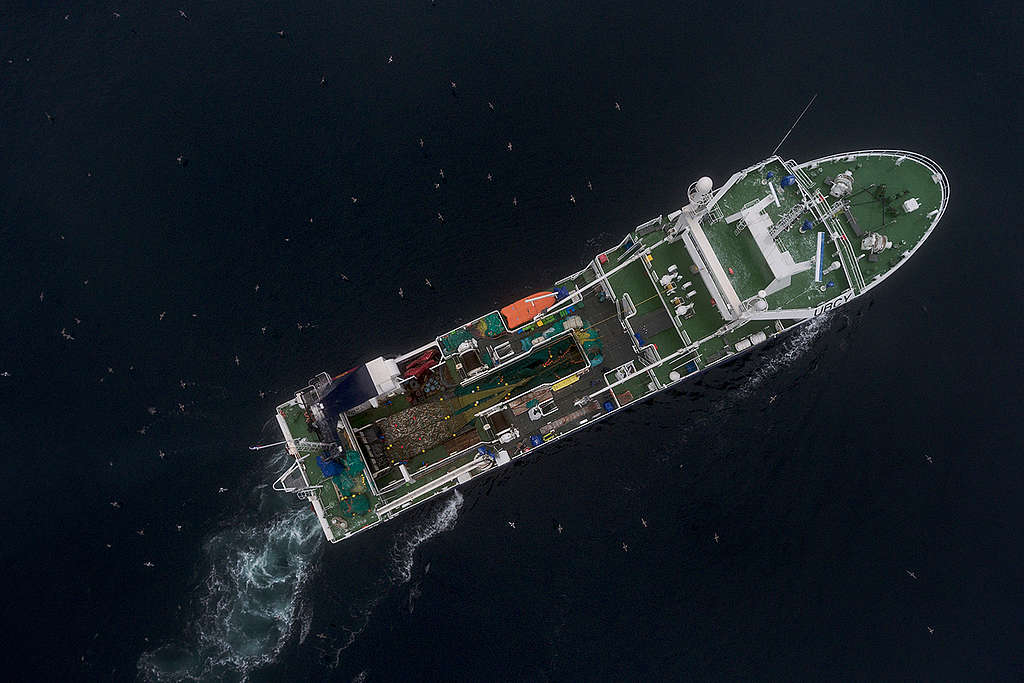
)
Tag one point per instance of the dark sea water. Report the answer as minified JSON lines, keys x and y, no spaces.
{"x":823,"y":499}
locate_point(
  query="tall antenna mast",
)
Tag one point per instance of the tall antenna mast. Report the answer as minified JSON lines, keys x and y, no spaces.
{"x":794,"y":124}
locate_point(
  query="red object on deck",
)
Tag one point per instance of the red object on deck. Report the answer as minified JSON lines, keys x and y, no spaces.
{"x":602,"y":259}
{"x":522,"y":311}
{"x":419,"y":366}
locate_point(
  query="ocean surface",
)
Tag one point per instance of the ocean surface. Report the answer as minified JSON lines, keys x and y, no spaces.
{"x":155,"y":312}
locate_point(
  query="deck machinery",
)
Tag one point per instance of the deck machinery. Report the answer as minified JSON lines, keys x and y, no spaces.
{"x":771,"y":248}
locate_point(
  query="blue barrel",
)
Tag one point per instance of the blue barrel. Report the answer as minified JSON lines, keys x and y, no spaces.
{"x":609,"y":406}
{"x":770,"y":175}
{"x":536,"y":440}
{"x":807,"y":226}
{"x":788,"y":180}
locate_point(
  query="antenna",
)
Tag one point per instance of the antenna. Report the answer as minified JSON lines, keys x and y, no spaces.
{"x":794,"y":124}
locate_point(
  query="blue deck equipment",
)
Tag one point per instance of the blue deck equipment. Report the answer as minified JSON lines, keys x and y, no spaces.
{"x":819,"y":257}
{"x":788,"y":180}
{"x":807,"y":226}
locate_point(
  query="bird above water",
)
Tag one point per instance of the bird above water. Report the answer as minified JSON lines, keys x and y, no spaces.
{"x":911,"y":574}
{"x":427,"y":280}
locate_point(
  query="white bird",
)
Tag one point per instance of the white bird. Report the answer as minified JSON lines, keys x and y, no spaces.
{"x":237,"y":362}
{"x":5,"y":374}
{"x":625,"y":548}
{"x":491,"y":105}
{"x":64,"y":333}
{"x":559,"y":528}
{"x":716,"y":537}
{"x":929,"y":459}
{"x":162,"y":314}
{"x":182,"y":14}
{"x":440,"y":218}
{"x":572,"y":198}
{"x":116,"y":505}
{"x":257,"y":286}
{"x":161,"y":454}
{"x":589,"y":186}
{"x":141,"y":532}
{"x":178,"y":526}
{"x":117,"y":15}
{"x":644,"y":522}
{"x":490,"y":177}
{"x":618,"y":107}
{"x":931,"y":630}
{"x":41,"y":295}
{"x":401,"y":292}
{"x":427,"y":280}
{"x":512,"y":524}
{"x":515,"y":201}
{"x":509,"y":145}
{"x":148,"y":564}
{"x":452,"y":84}
{"x":911,"y":574}
{"x":222,"y":490}
{"x":421,"y":142}
{"x":391,"y":59}
{"x":441,"y":173}
{"x":355,"y":200}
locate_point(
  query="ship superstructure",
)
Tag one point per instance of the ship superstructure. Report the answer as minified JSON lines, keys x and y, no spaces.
{"x":774,"y":246}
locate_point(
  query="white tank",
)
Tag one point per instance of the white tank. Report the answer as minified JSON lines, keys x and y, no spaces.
{"x":758,"y":337}
{"x":674,"y":376}
{"x":704,"y":185}
{"x":760,"y":305}
{"x":742,"y":345}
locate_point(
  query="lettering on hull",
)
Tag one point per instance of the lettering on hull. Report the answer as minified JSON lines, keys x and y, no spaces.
{"x":835,"y":303}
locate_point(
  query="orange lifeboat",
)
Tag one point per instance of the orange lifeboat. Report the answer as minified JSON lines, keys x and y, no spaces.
{"x":522,"y":311}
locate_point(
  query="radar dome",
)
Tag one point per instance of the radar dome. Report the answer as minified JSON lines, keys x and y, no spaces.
{"x":704,"y":185}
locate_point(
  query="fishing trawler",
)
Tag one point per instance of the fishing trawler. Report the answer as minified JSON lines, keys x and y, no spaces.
{"x":771,"y":248}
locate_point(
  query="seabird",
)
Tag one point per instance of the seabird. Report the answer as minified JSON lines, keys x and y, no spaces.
{"x":323,"y":81}
{"x":491,"y":105}
{"x":437,"y":186}
{"x":589,"y":186}
{"x":559,"y":528}
{"x":401,"y":292}
{"x":115,"y":504}
{"x":441,"y":173}
{"x":41,"y":296}
{"x":618,"y":107}
{"x":716,"y":537}
{"x":237,"y":362}
{"x":931,"y":630}
{"x":911,"y":574}
{"x":515,"y":201}
{"x":147,"y":563}
{"x":141,"y":532}
{"x":453,"y":85}
{"x":182,"y":14}
{"x":421,"y":142}
{"x":929,"y":459}
{"x":644,"y":522}
{"x":281,"y":33}
{"x":162,"y":314}
{"x":64,"y":333}
{"x":178,"y":526}
{"x":391,"y":59}
{"x":343,"y":277}
{"x":509,"y":145}
{"x":161,"y":454}
{"x":625,"y":548}
{"x":572,"y":198}
{"x":182,"y":161}
{"x":257,"y":288}
{"x":5,"y":374}
{"x":440,"y":218}
{"x":117,"y":15}
{"x":355,"y":200}
{"x":771,"y":399}
{"x":490,"y":177}
{"x":49,"y":116}
{"x":512,"y":524}
{"x":222,"y":490}
{"x":427,"y":280}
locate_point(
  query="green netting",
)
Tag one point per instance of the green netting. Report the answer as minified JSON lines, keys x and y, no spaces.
{"x":356,"y":505}
{"x":452,"y":340}
{"x":353,"y":463}
{"x":491,"y":325}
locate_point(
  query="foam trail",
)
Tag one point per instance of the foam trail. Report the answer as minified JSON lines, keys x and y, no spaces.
{"x":402,"y":559}
{"x":249,"y":604}
{"x":404,"y":549}
{"x":794,"y":347}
